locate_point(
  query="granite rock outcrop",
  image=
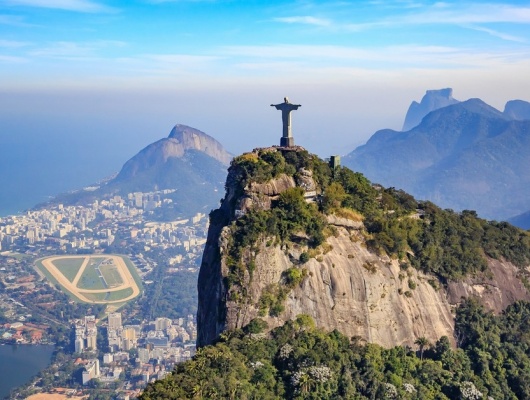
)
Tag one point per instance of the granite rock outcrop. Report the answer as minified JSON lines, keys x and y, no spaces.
{"x":345,"y":285}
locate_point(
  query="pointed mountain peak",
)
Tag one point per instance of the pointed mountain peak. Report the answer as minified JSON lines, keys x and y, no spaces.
{"x":182,"y":141}
{"x":193,"y":139}
{"x":517,"y":109}
{"x":433,"y":100}
{"x":183,"y":132}
{"x":479,"y":106}
{"x":470,"y":106}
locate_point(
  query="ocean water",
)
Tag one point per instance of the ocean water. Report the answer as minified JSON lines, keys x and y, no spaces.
{"x":46,"y":150}
{"x":34,"y":169}
{"x":18,"y":364}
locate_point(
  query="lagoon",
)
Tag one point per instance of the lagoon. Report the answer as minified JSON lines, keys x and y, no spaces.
{"x":19,"y":363}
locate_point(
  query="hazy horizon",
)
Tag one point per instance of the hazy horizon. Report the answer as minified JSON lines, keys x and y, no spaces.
{"x":85,"y":84}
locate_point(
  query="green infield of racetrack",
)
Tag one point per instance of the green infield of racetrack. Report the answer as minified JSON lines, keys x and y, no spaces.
{"x":90,"y":279}
{"x":111,"y":274}
{"x":133,"y":271}
{"x":116,"y":296}
{"x":69,"y":267}
{"x":109,"y":296}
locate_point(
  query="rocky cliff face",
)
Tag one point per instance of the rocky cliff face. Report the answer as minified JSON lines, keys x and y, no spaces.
{"x":352,"y":290}
{"x":345,"y":286}
{"x":190,"y":138}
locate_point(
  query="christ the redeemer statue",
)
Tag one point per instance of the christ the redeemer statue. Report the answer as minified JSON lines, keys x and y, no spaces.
{"x":287,"y":139}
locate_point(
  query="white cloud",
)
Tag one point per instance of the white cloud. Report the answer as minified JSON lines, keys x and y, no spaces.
{"x":74,"y":50}
{"x":495,"y":33}
{"x":406,"y":13}
{"x":172,"y":64}
{"x":180,"y":1}
{"x":12,"y":44}
{"x":11,"y":59}
{"x":395,"y":4}
{"x":169,"y":65}
{"x":385,"y":57}
{"x":13,"y":20}
{"x":180,"y":58}
{"x":468,"y":13}
{"x":262,"y":63}
{"x":306,"y":19}
{"x":295,"y":51}
{"x":86,"y":6}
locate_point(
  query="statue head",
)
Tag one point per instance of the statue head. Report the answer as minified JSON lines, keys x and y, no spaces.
{"x":286,"y":99}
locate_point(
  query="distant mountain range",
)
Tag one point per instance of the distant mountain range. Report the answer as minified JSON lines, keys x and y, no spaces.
{"x":521,"y":220}
{"x":433,"y":100}
{"x":461,"y":155}
{"x":188,"y":160}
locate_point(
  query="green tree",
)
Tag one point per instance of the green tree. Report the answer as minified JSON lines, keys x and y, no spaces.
{"x":421,"y":342}
{"x":333,"y":197}
{"x":257,"y":325}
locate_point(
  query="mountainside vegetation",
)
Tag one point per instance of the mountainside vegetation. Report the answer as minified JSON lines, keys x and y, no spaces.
{"x":448,"y":244}
{"x":299,"y":361}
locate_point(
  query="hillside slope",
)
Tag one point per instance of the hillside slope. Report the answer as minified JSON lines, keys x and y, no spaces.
{"x":293,"y":237}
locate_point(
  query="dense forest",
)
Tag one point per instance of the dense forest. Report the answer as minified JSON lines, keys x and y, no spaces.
{"x":299,"y":361}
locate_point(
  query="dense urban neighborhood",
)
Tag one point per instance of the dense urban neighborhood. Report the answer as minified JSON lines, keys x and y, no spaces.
{"x":102,"y":348}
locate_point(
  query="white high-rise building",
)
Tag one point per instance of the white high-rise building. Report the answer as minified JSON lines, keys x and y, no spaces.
{"x":143,"y":355}
{"x":161,"y":324}
{"x":86,"y":332}
{"x":138,"y":200}
{"x":91,"y":371}
{"x":91,"y":340}
{"x":114,"y":340}
{"x":114,"y":321}
{"x":79,"y":344}
{"x":128,"y":338}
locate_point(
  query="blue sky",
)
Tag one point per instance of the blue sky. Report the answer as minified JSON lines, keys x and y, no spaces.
{"x":155,"y":43}
{"x":86,"y":72}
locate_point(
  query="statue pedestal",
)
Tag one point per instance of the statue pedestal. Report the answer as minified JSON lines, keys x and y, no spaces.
{"x":287,"y":142}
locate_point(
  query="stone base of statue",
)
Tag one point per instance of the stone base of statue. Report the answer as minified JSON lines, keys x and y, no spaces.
{"x":287,"y":141}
